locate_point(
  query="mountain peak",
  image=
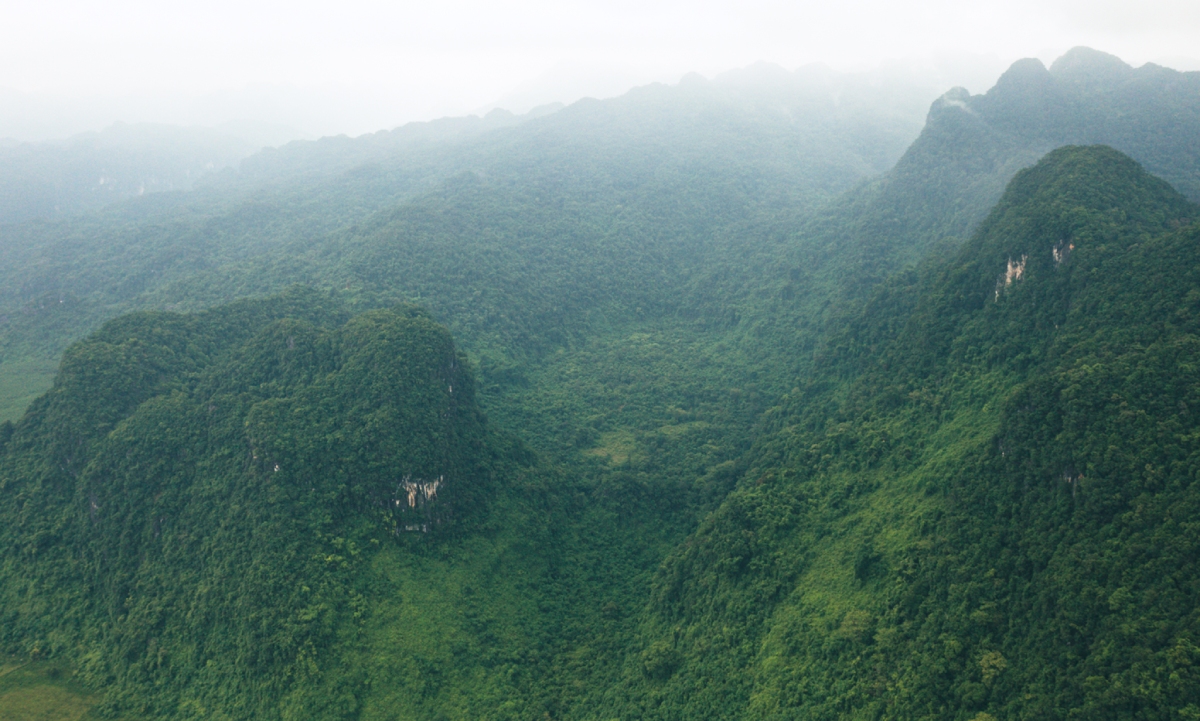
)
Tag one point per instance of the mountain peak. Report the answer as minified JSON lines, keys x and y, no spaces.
{"x":1090,"y":67}
{"x":1082,"y":191}
{"x":1022,"y":74}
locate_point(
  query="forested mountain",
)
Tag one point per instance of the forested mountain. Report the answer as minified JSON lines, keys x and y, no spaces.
{"x":978,"y":502}
{"x":755,"y":148}
{"x":274,"y":510}
{"x":764,"y":438}
{"x":972,"y":145}
{"x":199,"y":494}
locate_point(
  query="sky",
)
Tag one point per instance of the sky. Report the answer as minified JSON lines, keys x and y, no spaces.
{"x":360,"y":65}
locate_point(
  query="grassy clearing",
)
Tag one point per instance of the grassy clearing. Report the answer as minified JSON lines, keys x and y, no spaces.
{"x":41,"y":691}
{"x":615,"y":446}
{"x":22,"y":381}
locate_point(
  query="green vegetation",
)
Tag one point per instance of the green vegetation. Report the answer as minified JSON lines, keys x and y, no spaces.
{"x":973,"y":145}
{"x":614,"y":198}
{"x":41,"y":690}
{"x":270,"y":510}
{"x":977,"y":504}
{"x":743,"y":455}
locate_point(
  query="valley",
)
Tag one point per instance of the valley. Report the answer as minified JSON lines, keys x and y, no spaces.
{"x":754,"y":397}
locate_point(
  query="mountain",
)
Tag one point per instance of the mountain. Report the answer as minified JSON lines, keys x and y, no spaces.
{"x":972,"y":145}
{"x":276,"y":509}
{"x":730,"y":187}
{"x":91,"y":170}
{"x":739,"y":152}
{"x":975,"y":507}
{"x":736,"y":184}
{"x":764,"y":437}
{"x":196,"y":492}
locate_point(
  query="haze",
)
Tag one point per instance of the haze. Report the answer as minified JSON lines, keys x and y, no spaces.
{"x":364,"y":65}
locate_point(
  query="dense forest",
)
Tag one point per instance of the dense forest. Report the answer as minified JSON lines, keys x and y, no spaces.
{"x":741,"y":398}
{"x":978,"y":501}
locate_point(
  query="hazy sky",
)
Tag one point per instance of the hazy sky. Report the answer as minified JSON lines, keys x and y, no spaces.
{"x":389,"y":62}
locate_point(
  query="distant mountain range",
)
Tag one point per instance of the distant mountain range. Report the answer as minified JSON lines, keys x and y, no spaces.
{"x":91,"y":170}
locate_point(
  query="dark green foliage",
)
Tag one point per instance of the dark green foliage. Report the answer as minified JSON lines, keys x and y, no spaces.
{"x":610,"y":205}
{"x":978,"y":503}
{"x":772,"y":472}
{"x":273,"y":510}
{"x":196,"y":492}
{"x":972,"y":145}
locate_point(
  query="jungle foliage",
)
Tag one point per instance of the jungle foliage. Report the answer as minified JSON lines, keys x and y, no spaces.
{"x":978,"y":504}
{"x":973,"y":145}
{"x":744,"y":456}
{"x":679,"y":170}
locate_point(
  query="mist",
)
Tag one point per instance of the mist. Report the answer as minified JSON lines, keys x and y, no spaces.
{"x":310,"y":70}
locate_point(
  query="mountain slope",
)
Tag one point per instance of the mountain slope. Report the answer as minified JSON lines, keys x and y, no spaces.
{"x":976,"y":505}
{"x":779,"y":140}
{"x":191,"y":497}
{"x":276,"y":510}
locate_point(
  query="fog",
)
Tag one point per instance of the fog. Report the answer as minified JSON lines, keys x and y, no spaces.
{"x":311,"y":69}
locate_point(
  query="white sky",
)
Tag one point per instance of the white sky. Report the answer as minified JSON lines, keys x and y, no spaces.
{"x":388,"y":62}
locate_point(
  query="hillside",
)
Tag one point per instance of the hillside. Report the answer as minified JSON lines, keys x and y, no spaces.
{"x":272,"y":510}
{"x":977,"y":504}
{"x":753,"y":148}
{"x":175,"y":454}
{"x":974,"y":507}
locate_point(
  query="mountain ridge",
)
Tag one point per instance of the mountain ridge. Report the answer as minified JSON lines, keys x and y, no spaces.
{"x":774,"y":456}
{"x":972,"y":145}
{"x":882,"y":534}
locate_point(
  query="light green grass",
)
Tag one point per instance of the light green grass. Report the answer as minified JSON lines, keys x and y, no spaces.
{"x":676,"y":430}
{"x":21,"y":381}
{"x":615,"y":446}
{"x":41,"y":691}
{"x":449,"y":638}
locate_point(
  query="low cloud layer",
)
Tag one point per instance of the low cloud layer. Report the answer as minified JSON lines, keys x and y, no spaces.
{"x":364,"y":64}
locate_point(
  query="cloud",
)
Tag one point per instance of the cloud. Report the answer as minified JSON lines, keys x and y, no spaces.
{"x":459,"y":54}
